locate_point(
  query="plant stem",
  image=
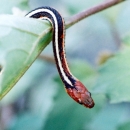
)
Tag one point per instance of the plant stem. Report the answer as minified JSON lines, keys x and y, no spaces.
{"x":46,"y":58}
{"x":95,"y":9}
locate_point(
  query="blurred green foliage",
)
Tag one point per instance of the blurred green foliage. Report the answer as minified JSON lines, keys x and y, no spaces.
{"x":38,"y":101}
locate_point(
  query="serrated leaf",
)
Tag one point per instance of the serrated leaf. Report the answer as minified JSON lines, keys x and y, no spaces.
{"x":114,"y":77}
{"x":21,"y":41}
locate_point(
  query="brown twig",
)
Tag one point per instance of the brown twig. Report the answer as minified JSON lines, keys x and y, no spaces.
{"x":46,"y":58}
{"x":80,"y":16}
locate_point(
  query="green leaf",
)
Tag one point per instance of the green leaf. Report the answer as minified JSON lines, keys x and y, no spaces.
{"x":21,"y":41}
{"x":114,"y":77}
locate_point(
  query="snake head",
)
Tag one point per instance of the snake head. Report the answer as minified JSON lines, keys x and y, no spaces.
{"x":81,"y":95}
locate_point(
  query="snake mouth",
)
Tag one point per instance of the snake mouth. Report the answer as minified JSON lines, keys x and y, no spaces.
{"x":87,"y":101}
{"x":89,"y":104}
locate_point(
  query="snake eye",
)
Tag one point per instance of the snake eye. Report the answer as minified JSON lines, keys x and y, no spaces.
{"x":89,"y":94}
{"x":0,"y":68}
